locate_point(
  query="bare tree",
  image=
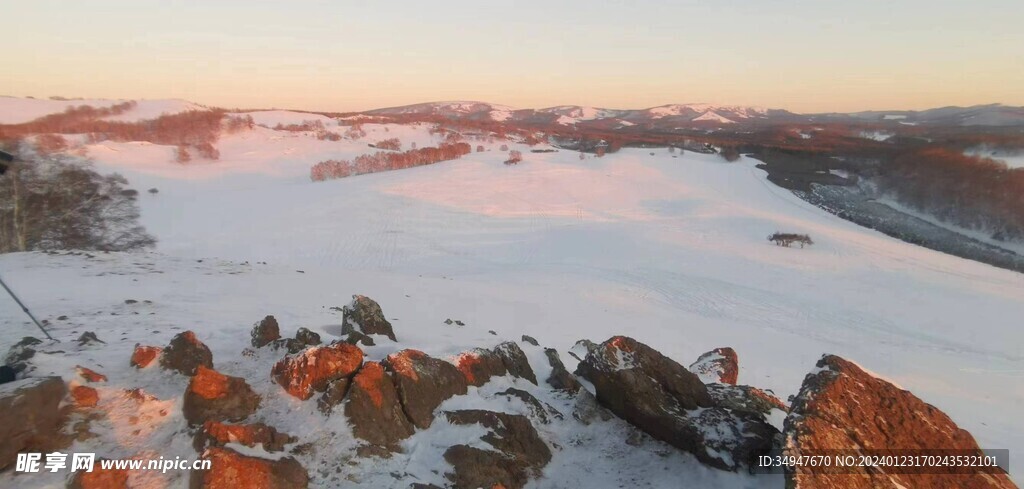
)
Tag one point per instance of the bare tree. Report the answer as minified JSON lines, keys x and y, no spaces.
{"x":787,"y":239}
{"x":59,"y":202}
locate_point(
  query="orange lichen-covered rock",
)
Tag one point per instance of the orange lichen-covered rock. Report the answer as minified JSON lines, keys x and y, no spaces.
{"x":143,"y":356}
{"x":85,"y":396}
{"x":373,"y":408}
{"x":217,"y":434}
{"x":212,"y":395}
{"x":232,"y":470}
{"x":315,"y":368}
{"x":99,"y":478}
{"x":842,"y":407}
{"x":89,"y":374}
{"x":479,"y":365}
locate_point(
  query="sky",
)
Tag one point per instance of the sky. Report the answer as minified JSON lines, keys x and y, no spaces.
{"x":805,"y":56}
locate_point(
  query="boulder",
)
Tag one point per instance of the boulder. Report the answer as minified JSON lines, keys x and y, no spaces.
{"x":143,"y":356}
{"x":313,"y":369}
{"x":745,"y":398}
{"x":185,"y":354}
{"x":515,"y":361}
{"x":99,"y":478}
{"x":479,"y":365}
{"x":842,"y":407}
{"x":89,"y":338}
{"x":306,"y":337}
{"x":30,"y":416}
{"x":265,"y":332}
{"x":84,"y":396}
{"x":560,"y":378}
{"x":669,"y":403}
{"x":423,"y":383}
{"x":217,"y":434}
{"x":21,"y":352}
{"x":89,"y":375}
{"x":232,"y":470}
{"x":333,"y":395}
{"x":530,"y":339}
{"x":373,"y":409}
{"x":213,"y":396}
{"x":365,"y":314}
{"x":720,"y":365}
{"x":519,"y":453}
{"x":355,"y":337}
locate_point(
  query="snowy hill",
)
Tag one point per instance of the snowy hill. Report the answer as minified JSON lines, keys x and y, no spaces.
{"x":14,"y":110}
{"x":669,"y":248}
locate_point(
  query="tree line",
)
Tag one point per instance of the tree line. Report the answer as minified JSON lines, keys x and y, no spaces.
{"x":968,"y":191}
{"x":385,"y":161}
{"x":57,"y":201}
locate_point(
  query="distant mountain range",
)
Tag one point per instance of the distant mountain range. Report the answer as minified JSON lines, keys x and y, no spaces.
{"x":15,"y":110}
{"x":698,"y":115}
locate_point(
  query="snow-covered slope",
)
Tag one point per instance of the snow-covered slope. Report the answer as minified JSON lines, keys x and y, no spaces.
{"x":668,"y":248}
{"x":712,"y":116}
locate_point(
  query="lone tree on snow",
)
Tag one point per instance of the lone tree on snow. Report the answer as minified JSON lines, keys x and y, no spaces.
{"x":514,"y":157}
{"x":786,"y":239}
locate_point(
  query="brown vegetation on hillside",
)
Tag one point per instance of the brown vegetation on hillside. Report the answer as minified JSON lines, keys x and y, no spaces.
{"x":381,"y":161}
{"x":968,"y":191}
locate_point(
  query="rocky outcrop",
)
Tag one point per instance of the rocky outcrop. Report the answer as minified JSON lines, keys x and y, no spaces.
{"x":479,"y":365}
{"x":560,"y":378}
{"x":143,"y":356}
{"x":99,"y":478}
{"x":720,"y":365}
{"x":515,"y":361}
{"x":668,"y":402}
{"x":315,"y":368}
{"x":29,"y":416}
{"x":265,"y":332}
{"x":519,"y":454}
{"x":745,"y":398}
{"x":423,"y":384}
{"x":213,"y":396}
{"x":185,"y":354}
{"x":365,"y":314}
{"x":840,"y":406}
{"x":217,"y":434}
{"x":373,"y":408}
{"x":232,"y":470}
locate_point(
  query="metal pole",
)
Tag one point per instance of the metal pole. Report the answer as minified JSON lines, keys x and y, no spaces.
{"x":23,"y":308}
